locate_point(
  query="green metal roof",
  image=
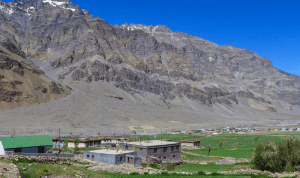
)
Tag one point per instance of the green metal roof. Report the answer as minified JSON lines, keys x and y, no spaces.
{"x":27,"y":141}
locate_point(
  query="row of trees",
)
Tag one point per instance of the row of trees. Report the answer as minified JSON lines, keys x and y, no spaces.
{"x":278,"y":157}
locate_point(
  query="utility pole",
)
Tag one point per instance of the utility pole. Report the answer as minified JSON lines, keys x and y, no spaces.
{"x":59,"y":141}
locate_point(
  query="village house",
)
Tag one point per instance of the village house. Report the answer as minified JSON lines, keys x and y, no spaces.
{"x":175,"y":132}
{"x":25,"y":144}
{"x":292,"y":129}
{"x":119,"y":140}
{"x":164,"y":150}
{"x":114,"y":157}
{"x":57,"y":142}
{"x":190,"y":143}
{"x":89,"y":142}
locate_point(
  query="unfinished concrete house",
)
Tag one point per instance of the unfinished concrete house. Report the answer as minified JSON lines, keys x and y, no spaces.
{"x":114,"y":157}
{"x":164,"y":150}
{"x":190,"y":143}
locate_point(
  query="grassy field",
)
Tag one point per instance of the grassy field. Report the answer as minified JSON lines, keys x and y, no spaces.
{"x":36,"y":170}
{"x":209,"y":167}
{"x":234,"y":145}
{"x":189,"y":157}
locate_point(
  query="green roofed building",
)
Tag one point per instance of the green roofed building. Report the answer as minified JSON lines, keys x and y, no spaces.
{"x":26,"y":144}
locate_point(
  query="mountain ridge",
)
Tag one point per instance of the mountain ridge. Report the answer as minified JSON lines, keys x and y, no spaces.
{"x":145,"y":65}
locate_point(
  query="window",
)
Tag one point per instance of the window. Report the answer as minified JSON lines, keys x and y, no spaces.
{"x":177,"y":148}
{"x":155,"y":150}
{"x":172,"y":148}
{"x":165,"y":157}
{"x":174,"y":156}
{"x":121,"y":158}
{"x":165,"y":149}
{"x":88,"y":156}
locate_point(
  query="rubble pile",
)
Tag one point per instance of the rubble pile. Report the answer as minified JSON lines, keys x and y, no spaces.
{"x":9,"y":170}
{"x":122,"y":168}
{"x":41,"y":159}
{"x":257,"y":172}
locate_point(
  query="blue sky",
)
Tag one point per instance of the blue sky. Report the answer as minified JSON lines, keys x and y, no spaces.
{"x":269,"y":28}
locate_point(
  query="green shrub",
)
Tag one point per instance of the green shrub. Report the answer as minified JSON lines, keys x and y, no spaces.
{"x":164,"y":173}
{"x":23,"y":161}
{"x":215,"y":174}
{"x":280,"y":157}
{"x":170,"y":166}
{"x":25,"y":175}
{"x":146,"y":173}
{"x":134,"y":174}
{"x":45,"y":170}
{"x":201,"y":173}
{"x":154,"y":166}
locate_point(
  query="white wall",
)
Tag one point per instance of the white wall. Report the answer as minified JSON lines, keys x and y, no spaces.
{"x":1,"y":149}
{"x":80,"y":145}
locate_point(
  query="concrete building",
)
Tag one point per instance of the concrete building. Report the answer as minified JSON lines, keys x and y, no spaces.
{"x":190,"y":143}
{"x":114,"y":157}
{"x":27,"y":144}
{"x":164,"y":150}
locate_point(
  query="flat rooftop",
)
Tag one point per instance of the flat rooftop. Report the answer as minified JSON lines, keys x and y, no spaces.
{"x":111,"y":152}
{"x":152,"y":143}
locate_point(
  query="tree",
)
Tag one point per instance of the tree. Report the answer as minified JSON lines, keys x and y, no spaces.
{"x":76,"y":142}
{"x":280,"y":157}
{"x":220,"y":143}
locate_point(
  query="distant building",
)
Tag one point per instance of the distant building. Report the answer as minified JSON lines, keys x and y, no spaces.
{"x":284,"y":129}
{"x":114,"y":157}
{"x":26,"y":144}
{"x":58,"y":143}
{"x":175,"y":132}
{"x":190,"y":143}
{"x":119,"y":140}
{"x":89,"y":142}
{"x":292,"y":129}
{"x":164,"y":150}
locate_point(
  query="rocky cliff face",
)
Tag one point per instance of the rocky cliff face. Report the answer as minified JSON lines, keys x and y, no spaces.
{"x":148,"y":63}
{"x":21,"y":83}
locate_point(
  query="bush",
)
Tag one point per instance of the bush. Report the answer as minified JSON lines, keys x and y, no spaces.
{"x":164,"y":173}
{"x":274,"y":157}
{"x":170,"y":166}
{"x":215,"y":174}
{"x":25,"y":175}
{"x":45,"y":170}
{"x":134,"y":174}
{"x":201,"y":173}
{"x":154,"y":166}
{"x":146,"y":173}
{"x":23,"y":161}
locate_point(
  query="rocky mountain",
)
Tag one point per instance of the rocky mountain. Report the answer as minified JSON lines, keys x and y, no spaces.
{"x":143,"y":65}
{"x":21,"y":83}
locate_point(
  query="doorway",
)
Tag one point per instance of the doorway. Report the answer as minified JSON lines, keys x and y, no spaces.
{"x":93,"y":158}
{"x":41,"y":149}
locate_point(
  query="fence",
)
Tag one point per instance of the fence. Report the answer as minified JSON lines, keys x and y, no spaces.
{"x":65,"y":155}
